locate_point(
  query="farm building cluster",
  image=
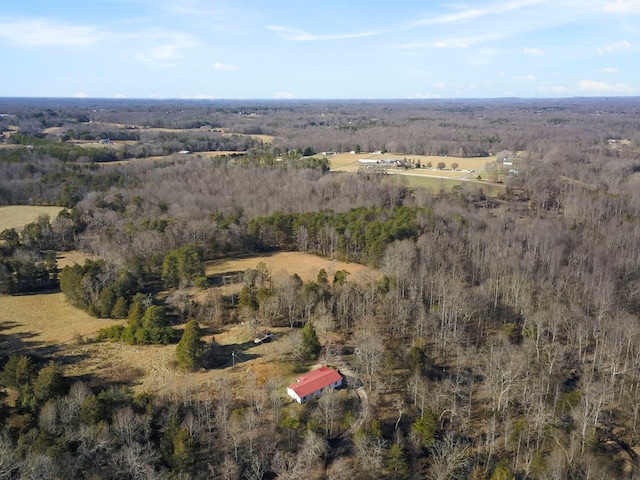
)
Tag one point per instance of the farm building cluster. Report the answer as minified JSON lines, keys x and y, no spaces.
{"x":387,"y":162}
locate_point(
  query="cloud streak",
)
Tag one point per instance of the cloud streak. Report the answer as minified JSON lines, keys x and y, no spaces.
{"x":46,"y":33}
{"x":601,"y":88}
{"x":477,"y":13}
{"x":536,"y":52}
{"x":623,"y":7}
{"x":298,"y":35}
{"x":168,"y":47}
{"x":225,"y":67}
{"x":613,"y":47}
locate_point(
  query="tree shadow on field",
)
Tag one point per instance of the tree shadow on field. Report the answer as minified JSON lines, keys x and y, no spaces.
{"x":19,"y":342}
{"x":226,"y":278}
{"x":224,"y":356}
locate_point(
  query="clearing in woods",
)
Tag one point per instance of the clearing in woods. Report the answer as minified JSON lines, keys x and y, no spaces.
{"x":282,"y":264}
{"x":17,"y":216}
{"x":469,"y":171}
{"x":349,"y":162}
{"x":47,"y":324}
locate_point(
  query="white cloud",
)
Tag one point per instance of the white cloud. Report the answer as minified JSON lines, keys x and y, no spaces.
{"x":602,"y":87}
{"x":623,"y":6}
{"x":423,"y":95}
{"x":454,"y":43}
{"x":198,"y":96}
{"x":168,"y":48}
{"x":466,"y":42}
{"x":475,"y":13}
{"x":528,"y":78}
{"x":608,"y":70}
{"x":284,"y":95}
{"x":119,"y":95}
{"x":164,"y":52}
{"x":298,"y":35}
{"x":46,"y":33}
{"x":80,"y":95}
{"x":225,"y":67}
{"x":613,"y":47}
{"x":439,"y":85}
{"x":533,"y":51}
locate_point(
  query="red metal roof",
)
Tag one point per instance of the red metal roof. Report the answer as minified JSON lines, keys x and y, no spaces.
{"x":314,"y":381}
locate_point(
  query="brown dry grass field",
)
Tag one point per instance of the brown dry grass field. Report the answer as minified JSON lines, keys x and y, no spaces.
{"x":468,"y":171}
{"x":72,"y":257}
{"x":281,"y":264}
{"x":437,"y":184}
{"x":47,"y":323}
{"x":47,"y":319}
{"x":349,"y":162}
{"x":17,"y":216}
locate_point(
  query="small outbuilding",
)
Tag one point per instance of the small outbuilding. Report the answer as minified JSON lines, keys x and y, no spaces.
{"x":312,"y":384}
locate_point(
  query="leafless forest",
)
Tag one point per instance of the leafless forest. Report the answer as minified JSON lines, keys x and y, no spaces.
{"x":502,"y":342}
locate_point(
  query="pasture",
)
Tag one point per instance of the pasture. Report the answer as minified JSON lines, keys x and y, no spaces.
{"x":466,"y":173}
{"x":284,"y":264}
{"x":47,"y":324}
{"x":17,"y":216}
{"x":349,"y":162}
{"x":29,"y":322}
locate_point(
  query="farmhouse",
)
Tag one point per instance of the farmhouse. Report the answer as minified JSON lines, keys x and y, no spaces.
{"x":313,"y":384}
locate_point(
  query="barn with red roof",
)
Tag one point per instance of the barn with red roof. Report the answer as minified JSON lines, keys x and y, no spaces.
{"x":313,"y":384}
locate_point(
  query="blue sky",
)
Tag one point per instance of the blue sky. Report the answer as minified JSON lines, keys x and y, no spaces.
{"x":334,"y":49}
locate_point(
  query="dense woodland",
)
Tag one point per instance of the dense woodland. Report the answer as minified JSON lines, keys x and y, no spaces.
{"x":501,"y":342}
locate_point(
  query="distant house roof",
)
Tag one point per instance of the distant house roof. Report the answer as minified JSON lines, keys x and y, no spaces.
{"x":313,"y":381}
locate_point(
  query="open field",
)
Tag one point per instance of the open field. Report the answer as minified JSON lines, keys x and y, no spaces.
{"x":17,"y":216}
{"x":437,"y":184}
{"x":72,"y":257}
{"x":467,"y":171}
{"x":349,"y":162}
{"x":121,"y":363}
{"x":47,"y":319}
{"x":47,"y":323}
{"x":282,"y":264}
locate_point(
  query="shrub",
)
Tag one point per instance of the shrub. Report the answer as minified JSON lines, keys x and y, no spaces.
{"x":112,"y":333}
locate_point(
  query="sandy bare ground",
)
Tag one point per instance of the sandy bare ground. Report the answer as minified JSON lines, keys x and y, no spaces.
{"x":17,"y":216}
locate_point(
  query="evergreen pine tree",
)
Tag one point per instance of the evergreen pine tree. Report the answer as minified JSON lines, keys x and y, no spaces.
{"x":310,"y":343}
{"x":190,"y":348}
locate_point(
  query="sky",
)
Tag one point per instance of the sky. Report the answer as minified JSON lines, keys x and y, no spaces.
{"x":311,"y":49}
